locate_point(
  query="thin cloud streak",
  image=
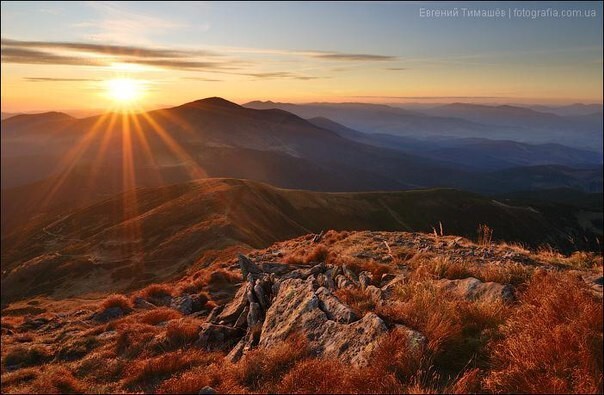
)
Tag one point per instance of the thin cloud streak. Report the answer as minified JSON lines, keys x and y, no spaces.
{"x":51,"y":79}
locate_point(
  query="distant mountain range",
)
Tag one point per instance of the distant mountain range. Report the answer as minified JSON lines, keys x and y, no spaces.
{"x":458,"y":120}
{"x":52,"y":160}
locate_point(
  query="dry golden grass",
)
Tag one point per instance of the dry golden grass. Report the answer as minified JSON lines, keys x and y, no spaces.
{"x":117,"y":300}
{"x":359,"y":301}
{"x":261,"y":370}
{"x":553,"y":341}
{"x":441,"y":267}
{"x":146,"y":374}
{"x":133,"y":339}
{"x":212,"y":279}
{"x":159,"y":315}
{"x":155,"y":291}
{"x":322,"y":376}
{"x":21,"y":355}
{"x":376,"y":269}
{"x":54,"y":380}
{"x":18,"y":378}
{"x":457,"y":330}
{"x":181,"y":333}
{"x":317,"y":254}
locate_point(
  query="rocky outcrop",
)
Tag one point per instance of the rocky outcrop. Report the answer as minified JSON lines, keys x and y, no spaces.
{"x":272,"y":305}
{"x":328,"y":324}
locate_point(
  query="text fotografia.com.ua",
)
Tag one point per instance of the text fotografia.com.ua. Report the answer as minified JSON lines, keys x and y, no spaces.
{"x":525,"y":13}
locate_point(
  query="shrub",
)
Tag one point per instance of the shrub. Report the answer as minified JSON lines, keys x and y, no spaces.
{"x":395,"y":355}
{"x":584,"y":260}
{"x":319,"y":253}
{"x":156,"y":291}
{"x":553,"y":341}
{"x":442,"y":267}
{"x":213,"y":279}
{"x":133,"y":339}
{"x":159,"y":315}
{"x":117,"y":300}
{"x":181,"y":333}
{"x":27,"y":356}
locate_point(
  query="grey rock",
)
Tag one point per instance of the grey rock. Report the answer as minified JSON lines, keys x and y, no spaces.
{"x":207,"y":390}
{"x":108,"y":314}
{"x":333,"y":308}
{"x":184,"y":304}
{"x":217,"y":337}
{"x":214,"y":314}
{"x":343,"y":282}
{"x":242,"y":320}
{"x":297,"y":309}
{"x":374,"y":293}
{"x":233,"y":309}
{"x":386,"y":278}
{"x":253,"y":316}
{"x":141,"y":303}
{"x":473,"y":289}
{"x":365,"y":279}
{"x":248,"y":267}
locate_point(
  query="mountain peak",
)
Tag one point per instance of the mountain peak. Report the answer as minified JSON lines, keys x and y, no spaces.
{"x":214,"y":102}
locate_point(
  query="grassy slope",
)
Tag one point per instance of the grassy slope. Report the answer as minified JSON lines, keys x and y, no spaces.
{"x":111,"y":245}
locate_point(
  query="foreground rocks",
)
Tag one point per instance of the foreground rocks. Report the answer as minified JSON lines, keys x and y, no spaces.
{"x":277,"y":301}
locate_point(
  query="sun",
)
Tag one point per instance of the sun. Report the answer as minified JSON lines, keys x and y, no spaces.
{"x":125,"y":91}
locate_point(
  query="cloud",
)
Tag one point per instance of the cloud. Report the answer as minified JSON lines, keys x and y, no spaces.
{"x":279,"y":74}
{"x":51,"y":79}
{"x":396,"y":68}
{"x":115,"y":50}
{"x":89,"y":54}
{"x":29,"y":56}
{"x":351,"y":57}
{"x":201,"y":79}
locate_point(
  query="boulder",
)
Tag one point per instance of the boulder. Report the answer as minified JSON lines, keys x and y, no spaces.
{"x":473,"y":289}
{"x":333,"y":308}
{"x":108,"y":314}
{"x":297,"y":308}
{"x":207,"y":390}
{"x":248,"y":267}
{"x":233,"y":309}
{"x":141,"y":303}
{"x":184,"y":304}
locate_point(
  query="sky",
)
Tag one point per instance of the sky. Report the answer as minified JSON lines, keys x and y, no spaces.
{"x":60,"y":56}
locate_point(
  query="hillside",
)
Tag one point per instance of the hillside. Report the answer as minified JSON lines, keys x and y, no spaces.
{"x":157,"y":233}
{"x":353,"y":312}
